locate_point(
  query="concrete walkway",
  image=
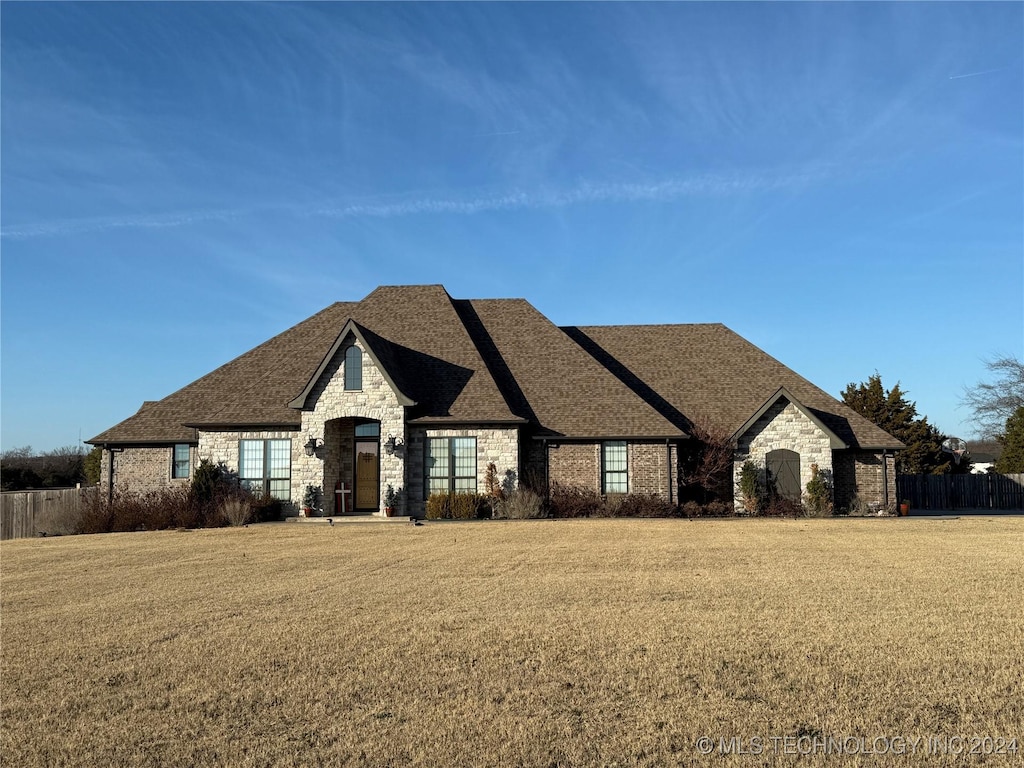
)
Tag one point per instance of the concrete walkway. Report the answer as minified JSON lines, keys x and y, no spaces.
{"x":346,"y":519}
{"x":966,"y":512}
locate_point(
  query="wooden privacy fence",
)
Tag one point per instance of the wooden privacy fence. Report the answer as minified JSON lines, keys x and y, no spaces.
{"x":987,"y":491}
{"x":28,"y":513}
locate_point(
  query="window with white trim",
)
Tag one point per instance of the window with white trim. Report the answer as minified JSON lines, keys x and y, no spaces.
{"x":353,"y":368}
{"x":265,"y":467}
{"x":614,"y":467}
{"x":180,"y":461}
{"x":451,"y":465}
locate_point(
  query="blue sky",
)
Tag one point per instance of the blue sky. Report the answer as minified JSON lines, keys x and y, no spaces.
{"x":842,"y":184}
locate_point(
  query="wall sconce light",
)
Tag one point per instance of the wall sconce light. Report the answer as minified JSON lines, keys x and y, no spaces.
{"x":312,"y":445}
{"x":392,"y":444}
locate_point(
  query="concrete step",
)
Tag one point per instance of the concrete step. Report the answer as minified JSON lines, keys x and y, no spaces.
{"x":342,"y":519}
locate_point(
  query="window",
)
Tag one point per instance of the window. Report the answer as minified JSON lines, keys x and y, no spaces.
{"x":614,"y":470}
{"x":451,"y":465}
{"x":368,"y":430}
{"x":265,"y":467}
{"x":353,"y":368}
{"x":180,"y":461}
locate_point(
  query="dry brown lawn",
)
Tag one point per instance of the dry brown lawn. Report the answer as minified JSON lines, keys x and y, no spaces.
{"x":536,"y":643}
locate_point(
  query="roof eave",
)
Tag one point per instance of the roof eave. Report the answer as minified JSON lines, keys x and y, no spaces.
{"x":449,"y":420}
{"x":247,"y":426}
{"x":553,"y":438}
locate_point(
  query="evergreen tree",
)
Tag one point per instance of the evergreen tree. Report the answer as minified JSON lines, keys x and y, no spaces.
{"x":898,"y":416}
{"x":91,"y":468}
{"x":1012,"y":458}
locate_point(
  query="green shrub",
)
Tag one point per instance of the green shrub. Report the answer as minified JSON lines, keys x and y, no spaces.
{"x":207,"y":482}
{"x":752,"y":487}
{"x":819,"y":492}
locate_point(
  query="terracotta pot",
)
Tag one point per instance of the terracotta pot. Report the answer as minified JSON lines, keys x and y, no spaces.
{"x":904,"y":509}
{"x":389,"y":511}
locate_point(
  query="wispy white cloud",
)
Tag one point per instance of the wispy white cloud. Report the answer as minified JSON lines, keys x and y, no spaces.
{"x":658,"y":191}
{"x":976,"y":74}
{"x":102,"y":224}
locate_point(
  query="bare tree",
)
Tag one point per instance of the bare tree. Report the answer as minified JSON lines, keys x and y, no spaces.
{"x":996,"y":401}
{"x":706,"y":470}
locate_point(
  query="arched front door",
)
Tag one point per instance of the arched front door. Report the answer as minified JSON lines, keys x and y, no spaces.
{"x":784,"y":473}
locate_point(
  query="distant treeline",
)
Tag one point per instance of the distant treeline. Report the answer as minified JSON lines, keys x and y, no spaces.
{"x":21,"y":469}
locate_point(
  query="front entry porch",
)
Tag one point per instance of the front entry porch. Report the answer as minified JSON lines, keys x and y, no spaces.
{"x":351,"y":468}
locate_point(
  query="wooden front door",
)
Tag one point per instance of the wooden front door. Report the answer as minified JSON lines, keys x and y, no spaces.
{"x":784,"y":473}
{"x":367,"y":475}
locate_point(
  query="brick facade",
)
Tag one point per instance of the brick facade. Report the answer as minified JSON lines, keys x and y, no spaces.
{"x":652,"y":468}
{"x":143,"y":468}
{"x":575,"y":464}
{"x":859,"y":480}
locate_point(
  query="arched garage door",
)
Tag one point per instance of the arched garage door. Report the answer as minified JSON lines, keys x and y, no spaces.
{"x":784,"y":473}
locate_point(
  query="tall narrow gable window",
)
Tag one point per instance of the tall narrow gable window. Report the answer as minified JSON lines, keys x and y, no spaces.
{"x":265,"y":467}
{"x":614,"y":467}
{"x":353,"y":368}
{"x":180,"y":461}
{"x":451,"y":465}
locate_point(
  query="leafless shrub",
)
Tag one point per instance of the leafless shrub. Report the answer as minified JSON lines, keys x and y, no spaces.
{"x":574,"y":501}
{"x":711,"y":509}
{"x":59,"y":522}
{"x":706,"y":469}
{"x":519,"y":504}
{"x":236,"y":511}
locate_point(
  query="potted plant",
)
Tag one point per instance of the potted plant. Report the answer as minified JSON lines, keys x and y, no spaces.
{"x":390,"y":500}
{"x":309,"y":500}
{"x":905,"y":507}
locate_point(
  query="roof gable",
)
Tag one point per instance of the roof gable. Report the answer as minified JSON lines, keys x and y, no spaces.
{"x":784,"y":394}
{"x":374,"y":346}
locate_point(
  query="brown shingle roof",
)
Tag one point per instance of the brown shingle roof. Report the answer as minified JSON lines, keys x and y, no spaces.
{"x":416,"y":329}
{"x":500,"y":360}
{"x":252,"y":389}
{"x":563,"y":389}
{"x":708,"y":371}
{"x":155,"y":422}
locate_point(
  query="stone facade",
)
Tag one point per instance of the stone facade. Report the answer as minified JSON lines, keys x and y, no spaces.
{"x":783,"y":426}
{"x":495,"y":444}
{"x":143,"y":468}
{"x":376,"y":401}
{"x":223,"y":448}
